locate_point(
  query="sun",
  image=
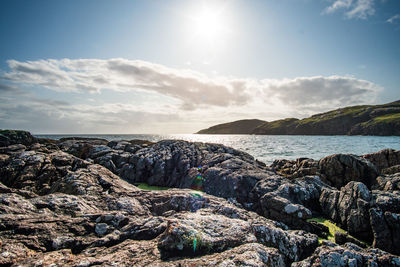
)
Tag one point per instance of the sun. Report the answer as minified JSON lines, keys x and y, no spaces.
{"x":209,"y":23}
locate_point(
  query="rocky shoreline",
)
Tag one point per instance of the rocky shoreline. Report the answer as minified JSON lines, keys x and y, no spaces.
{"x":73,"y":202}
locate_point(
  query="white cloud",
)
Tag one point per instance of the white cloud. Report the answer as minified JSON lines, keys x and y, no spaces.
{"x":393,"y":19}
{"x":51,"y":116}
{"x":199,"y":99}
{"x":93,"y":75}
{"x":321,"y":93}
{"x":359,"y":9}
{"x":339,"y":4}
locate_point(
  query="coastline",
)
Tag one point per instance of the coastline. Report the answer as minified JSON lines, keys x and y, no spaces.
{"x":270,"y":148}
{"x":87,"y":186}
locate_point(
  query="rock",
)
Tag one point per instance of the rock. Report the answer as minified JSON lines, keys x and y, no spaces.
{"x":294,"y":245}
{"x":101,"y":229}
{"x":145,"y":253}
{"x":349,"y":208}
{"x":223,"y":171}
{"x":390,"y":183}
{"x":329,"y":203}
{"x":370,"y":216}
{"x":384,"y":159}
{"x":12,"y":137}
{"x":385,"y":220}
{"x":281,"y":209}
{"x":80,"y":147}
{"x":59,"y":209}
{"x":348,"y":255}
{"x":296,"y":168}
{"x":292,"y":202}
{"x":391,"y":170}
{"x":386,"y":201}
{"x":197,"y":234}
{"x":252,"y":254}
{"x":343,"y":238}
{"x":339,"y":169}
{"x":386,"y":230}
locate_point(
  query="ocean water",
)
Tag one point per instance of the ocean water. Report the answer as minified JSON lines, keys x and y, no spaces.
{"x":267,"y":148}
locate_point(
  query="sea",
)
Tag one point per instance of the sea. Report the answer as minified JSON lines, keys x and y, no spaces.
{"x":267,"y":148}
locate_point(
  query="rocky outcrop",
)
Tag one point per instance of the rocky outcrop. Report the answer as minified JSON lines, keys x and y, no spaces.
{"x":348,"y":255}
{"x":381,"y":126}
{"x":215,"y":169}
{"x":339,"y":169}
{"x":368,"y":215}
{"x":386,"y":230}
{"x":343,"y":238}
{"x":349,"y":208}
{"x":387,"y":160}
{"x":65,"y":203}
{"x":57,"y":208}
{"x":296,"y":168}
{"x":290,"y":201}
{"x":13,"y":137}
{"x":236,"y":176}
{"x":389,"y":183}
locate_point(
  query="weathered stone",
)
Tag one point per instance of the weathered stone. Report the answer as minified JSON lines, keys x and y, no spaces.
{"x":343,"y":238}
{"x":384,"y":159}
{"x":349,"y":208}
{"x":339,"y":169}
{"x":12,"y":137}
{"x":296,"y":168}
{"x":388,"y":183}
{"x":101,"y":229}
{"x":386,"y":230}
{"x":348,"y":255}
{"x":198,"y":233}
{"x":57,"y":208}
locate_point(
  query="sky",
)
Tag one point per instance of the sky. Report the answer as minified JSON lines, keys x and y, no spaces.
{"x":158,"y":66}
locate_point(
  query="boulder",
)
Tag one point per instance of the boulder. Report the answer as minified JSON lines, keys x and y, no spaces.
{"x":198,"y":233}
{"x":386,"y":230}
{"x":80,"y":147}
{"x":348,"y":255}
{"x":384,"y":159}
{"x":13,"y":137}
{"x":349,"y":208}
{"x":339,"y":169}
{"x":292,"y":202}
{"x":296,"y":168}
{"x":388,"y":183}
{"x":214,"y":169}
{"x":343,"y":238}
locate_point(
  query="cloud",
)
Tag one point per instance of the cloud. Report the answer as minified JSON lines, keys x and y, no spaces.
{"x":7,"y":88}
{"x":321,"y":93}
{"x":52,"y":116}
{"x":358,"y":9}
{"x":339,"y":4}
{"x":196,"y":98}
{"x":92,"y":75}
{"x":393,"y":19}
{"x":193,"y":89}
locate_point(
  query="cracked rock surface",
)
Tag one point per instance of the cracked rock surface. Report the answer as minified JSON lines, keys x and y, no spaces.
{"x":73,"y":202}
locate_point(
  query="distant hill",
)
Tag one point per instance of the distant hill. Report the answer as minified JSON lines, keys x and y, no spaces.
{"x":355,"y":120}
{"x":236,"y":127}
